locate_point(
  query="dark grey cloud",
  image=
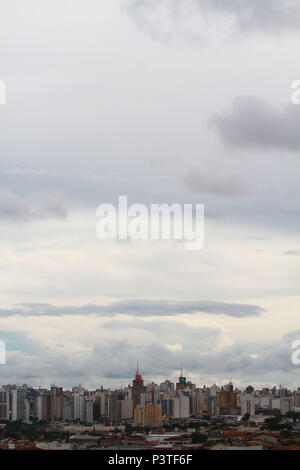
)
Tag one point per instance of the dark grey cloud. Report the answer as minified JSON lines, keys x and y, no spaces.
{"x":40,"y":205}
{"x":166,"y":19}
{"x":239,"y":360}
{"x":214,"y":183}
{"x":261,"y":15}
{"x":252,"y":123}
{"x":139,"y":308}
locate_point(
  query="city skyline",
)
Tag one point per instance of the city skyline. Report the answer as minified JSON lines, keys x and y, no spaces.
{"x":141,"y":403}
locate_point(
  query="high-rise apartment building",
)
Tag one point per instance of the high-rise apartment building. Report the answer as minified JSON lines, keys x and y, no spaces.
{"x":167,"y":406}
{"x":114,"y":407}
{"x":248,"y":404}
{"x":140,"y":415}
{"x":153,"y":414}
{"x":127,"y":409}
{"x":18,"y":404}
{"x":181,"y":406}
{"x":67,"y":409}
{"x":88,"y":412}
{"x":4,"y":404}
{"x":78,"y":400}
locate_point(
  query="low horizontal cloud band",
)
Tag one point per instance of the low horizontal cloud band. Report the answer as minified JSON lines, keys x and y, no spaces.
{"x":139,"y":308}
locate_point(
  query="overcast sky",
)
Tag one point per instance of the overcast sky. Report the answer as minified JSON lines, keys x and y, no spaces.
{"x":164,"y":101}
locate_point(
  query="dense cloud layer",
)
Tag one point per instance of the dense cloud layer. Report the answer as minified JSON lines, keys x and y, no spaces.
{"x":112,"y":362}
